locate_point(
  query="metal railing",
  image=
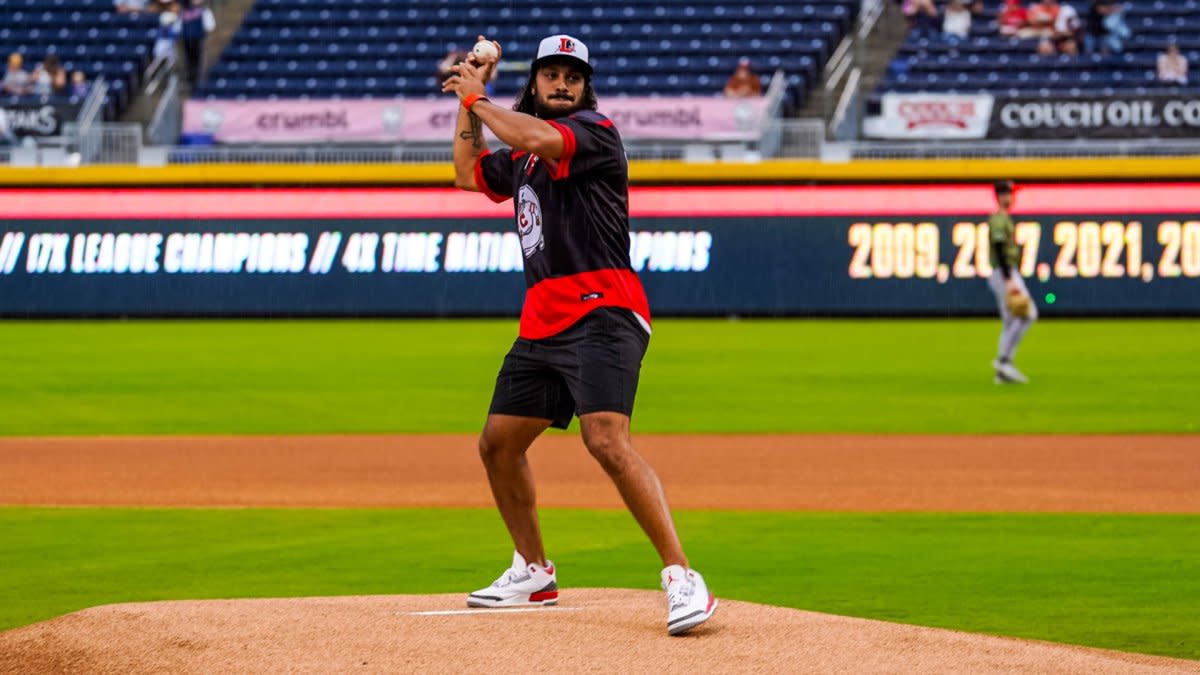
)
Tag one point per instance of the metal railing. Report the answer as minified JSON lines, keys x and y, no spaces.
{"x":1007,"y":149}
{"x":93,"y":104}
{"x":104,"y":142}
{"x":843,"y":73}
{"x":165,"y":124}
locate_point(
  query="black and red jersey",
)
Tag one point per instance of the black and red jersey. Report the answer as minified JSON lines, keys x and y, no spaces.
{"x":573,"y":219}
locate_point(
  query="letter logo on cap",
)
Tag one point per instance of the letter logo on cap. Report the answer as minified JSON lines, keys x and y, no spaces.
{"x":566,"y":45}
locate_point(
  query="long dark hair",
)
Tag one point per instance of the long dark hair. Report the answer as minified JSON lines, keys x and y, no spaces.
{"x":526,"y":103}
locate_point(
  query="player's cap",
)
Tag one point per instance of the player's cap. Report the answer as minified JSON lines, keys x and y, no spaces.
{"x":1004,"y":187}
{"x":563,"y":46}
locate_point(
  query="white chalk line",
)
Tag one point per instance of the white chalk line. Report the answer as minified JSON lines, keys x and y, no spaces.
{"x":491,"y":610}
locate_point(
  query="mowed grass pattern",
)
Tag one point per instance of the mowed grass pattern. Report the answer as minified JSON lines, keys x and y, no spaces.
{"x":1122,"y":582}
{"x":279,"y":377}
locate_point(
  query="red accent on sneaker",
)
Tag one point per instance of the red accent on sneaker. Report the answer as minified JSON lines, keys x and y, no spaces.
{"x":549,"y":570}
{"x":543,"y":595}
{"x":711,"y":599}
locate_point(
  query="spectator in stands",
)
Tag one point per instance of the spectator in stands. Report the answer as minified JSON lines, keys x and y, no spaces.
{"x":1116,"y":31}
{"x":48,"y":78}
{"x":1172,"y":66}
{"x":957,"y":21}
{"x":453,"y":57}
{"x":1068,"y":30}
{"x":1041,"y":17}
{"x":196,"y":22}
{"x":166,"y":35}
{"x":79,"y":84}
{"x":16,"y":80}
{"x":922,"y":16}
{"x":743,"y":83}
{"x":1045,"y":47}
{"x":1012,"y":18}
{"x":1094,"y":33}
{"x":130,"y":6}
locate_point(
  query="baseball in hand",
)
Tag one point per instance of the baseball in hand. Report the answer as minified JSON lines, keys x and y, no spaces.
{"x":485,"y":52}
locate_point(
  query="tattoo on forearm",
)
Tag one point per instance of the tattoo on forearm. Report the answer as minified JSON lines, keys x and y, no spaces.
{"x":475,"y":133}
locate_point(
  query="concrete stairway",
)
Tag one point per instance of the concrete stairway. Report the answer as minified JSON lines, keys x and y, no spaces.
{"x":872,"y":57}
{"x":229,"y":15}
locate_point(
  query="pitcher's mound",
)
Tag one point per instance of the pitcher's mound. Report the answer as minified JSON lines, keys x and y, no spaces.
{"x":595,"y":630}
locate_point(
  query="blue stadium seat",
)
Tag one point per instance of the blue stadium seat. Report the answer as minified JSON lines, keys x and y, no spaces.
{"x":382,"y":48}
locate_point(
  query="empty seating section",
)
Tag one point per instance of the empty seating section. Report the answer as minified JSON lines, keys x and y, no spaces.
{"x":384,"y":49}
{"x":87,"y":35}
{"x":987,"y":62}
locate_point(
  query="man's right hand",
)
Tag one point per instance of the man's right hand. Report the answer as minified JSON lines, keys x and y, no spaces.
{"x":488,"y":67}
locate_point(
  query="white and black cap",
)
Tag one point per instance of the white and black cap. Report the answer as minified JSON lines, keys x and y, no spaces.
{"x":563,"y":46}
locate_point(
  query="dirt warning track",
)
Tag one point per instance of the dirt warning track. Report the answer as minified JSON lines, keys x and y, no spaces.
{"x":1149,"y":474}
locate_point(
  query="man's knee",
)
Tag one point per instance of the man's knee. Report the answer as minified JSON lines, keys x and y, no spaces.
{"x":610,"y":445}
{"x":493,"y":447}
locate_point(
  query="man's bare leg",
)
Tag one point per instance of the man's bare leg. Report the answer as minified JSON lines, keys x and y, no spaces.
{"x":606,"y":435}
{"x":502,"y":447}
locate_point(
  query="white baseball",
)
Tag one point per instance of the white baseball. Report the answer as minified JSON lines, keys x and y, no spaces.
{"x":485,"y":52}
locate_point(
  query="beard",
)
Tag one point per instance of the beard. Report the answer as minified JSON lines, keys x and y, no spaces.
{"x":547,"y":113}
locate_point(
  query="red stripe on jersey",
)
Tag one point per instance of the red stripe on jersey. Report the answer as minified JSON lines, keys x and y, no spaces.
{"x":605,"y":122}
{"x":481,"y":182}
{"x":563,"y":169}
{"x":555,"y":304}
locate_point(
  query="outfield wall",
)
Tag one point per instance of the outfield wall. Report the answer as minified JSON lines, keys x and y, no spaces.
{"x":860,"y":250}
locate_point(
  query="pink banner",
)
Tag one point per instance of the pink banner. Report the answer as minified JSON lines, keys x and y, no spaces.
{"x":424,"y":121}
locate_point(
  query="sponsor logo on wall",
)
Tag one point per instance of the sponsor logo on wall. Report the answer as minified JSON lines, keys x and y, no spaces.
{"x":919,"y":116}
{"x":1095,"y":117}
{"x":291,"y":121}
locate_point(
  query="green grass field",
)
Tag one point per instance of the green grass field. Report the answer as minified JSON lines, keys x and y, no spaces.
{"x":1122,"y":582}
{"x":193,"y":377}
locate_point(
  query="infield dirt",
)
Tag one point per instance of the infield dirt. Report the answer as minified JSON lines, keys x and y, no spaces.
{"x":595,"y":630}
{"x":1126,"y":474}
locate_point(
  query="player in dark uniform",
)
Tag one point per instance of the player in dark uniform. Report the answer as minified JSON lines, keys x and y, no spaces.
{"x":585,"y":324}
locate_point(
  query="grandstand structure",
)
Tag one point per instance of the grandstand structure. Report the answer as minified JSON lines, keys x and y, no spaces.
{"x":808,"y":53}
{"x":382,"y":49}
{"x":986,"y":62}
{"x":85,"y":35}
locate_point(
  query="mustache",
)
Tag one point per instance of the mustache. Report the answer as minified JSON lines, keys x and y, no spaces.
{"x":565,"y":97}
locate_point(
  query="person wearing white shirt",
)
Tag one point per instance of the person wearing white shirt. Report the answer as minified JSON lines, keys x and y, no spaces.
{"x":957,"y":21}
{"x":1172,"y":66}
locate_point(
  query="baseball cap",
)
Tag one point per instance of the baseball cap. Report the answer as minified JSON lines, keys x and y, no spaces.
{"x":563,"y":46}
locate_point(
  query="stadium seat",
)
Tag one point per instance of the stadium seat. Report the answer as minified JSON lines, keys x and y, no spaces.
{"x":385,"y":49}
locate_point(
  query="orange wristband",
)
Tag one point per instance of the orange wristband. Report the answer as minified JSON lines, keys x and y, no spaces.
{"x":472,"y":99}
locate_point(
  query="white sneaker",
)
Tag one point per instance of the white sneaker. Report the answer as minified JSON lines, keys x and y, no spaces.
{"x":522,"y":585}
{"x":1008,"y":372}
{"x":689,"y":603}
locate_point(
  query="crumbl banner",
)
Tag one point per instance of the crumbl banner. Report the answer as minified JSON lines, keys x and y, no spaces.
{"x":1095,"y":117}
{"x":914,"y":116}
{"x":399,"y":120}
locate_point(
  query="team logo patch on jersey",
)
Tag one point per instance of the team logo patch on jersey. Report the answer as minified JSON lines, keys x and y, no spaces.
{"x":529,"y":221}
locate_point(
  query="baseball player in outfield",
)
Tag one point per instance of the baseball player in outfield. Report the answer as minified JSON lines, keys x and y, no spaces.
{"x":585,"y":324}
{"x":1017,"y":310}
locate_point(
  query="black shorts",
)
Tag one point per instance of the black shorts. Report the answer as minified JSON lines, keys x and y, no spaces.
{"x":593,"y":366}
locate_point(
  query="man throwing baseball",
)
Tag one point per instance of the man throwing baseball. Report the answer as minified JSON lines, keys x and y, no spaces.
{"x":585,"y":324}
{"x":1017,"y":310}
